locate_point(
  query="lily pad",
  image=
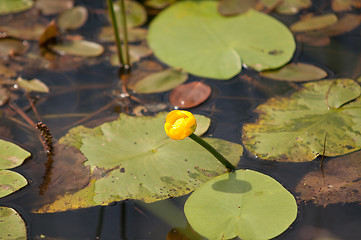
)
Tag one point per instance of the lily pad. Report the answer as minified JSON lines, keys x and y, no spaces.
{"x":233,"y":7}
{"x":11,"y":156}
{"x":158,"y":4}
{"x":73,"y":18}
{"x":54,"y":6}
{"x":214,"y":46}
{"x":12,"y":226}
{"x":134,"y":34}
{"x":314,"y":23}
{"x":244,"y":203}
{"x":79,"y":48}
{"x":34,"y":85}
{"x":337,"y":182}
{"x":132,"y":158}
{"x":160,"y":81}
{"x":294,"y":128}
{"x":15,"y":6}
{"x":296,"y":72}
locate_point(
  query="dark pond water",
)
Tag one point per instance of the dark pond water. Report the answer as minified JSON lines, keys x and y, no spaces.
{"x":89,"y":88}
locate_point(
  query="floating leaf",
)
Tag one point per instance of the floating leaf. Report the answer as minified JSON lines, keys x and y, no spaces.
{"x":337,"y":182}
{"x":9,"y":46}
{"x":134,"y":34}
{"x":32,"y":32}
{"x":244,"y":203}
{"x":296,"y":72}
{"x":12,"y":226}
{"x":54,"y":6}
{"x":79,"y":48}
{"x":34,"y":85}
{"x":294,"y":128}
{"x":214,"y":46}
{"x":73,"y":18}
{"x":136,"y":14}
{"x":288,"y":6}
{"x":314,"y":41}
{"x":116,"y":150}
{"x":233,"y":7}
{"x":342,"y":5}
{"x":11,"y":156}
{"x":314,"y":23}
{"x":160,"y":81}
{"x":189,"y":95}
{"x":15,"y":6}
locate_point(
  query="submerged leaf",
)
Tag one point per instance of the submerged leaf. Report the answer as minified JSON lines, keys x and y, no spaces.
{"x":314,"y":23}
{"x":79,"y":48}
{"x":9,"y":46}
{"x":132,"y":158}
{"x":15,"y":6}
{"x":34,"y":85}
{"x":73,"y":18}
{"x":244,"y":203}
{"x":12,"y":226}
{"x":296,"y":72}
{"x":214,"y":46}
{"x":294,"y":128}
{"x":337,"y":182}
{"x":160,"y":81}
{"x":189,"y":95}
{"x":54,"y":6}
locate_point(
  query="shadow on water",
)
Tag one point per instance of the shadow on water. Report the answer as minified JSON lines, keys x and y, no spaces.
{"x":232,"y":185}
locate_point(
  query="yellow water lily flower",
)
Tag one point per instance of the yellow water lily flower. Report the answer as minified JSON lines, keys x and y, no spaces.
{"x":179,"y":124}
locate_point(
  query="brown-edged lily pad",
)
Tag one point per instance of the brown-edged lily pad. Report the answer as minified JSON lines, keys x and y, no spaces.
{"x":73,"y":18}
{"x":296,"y":72}
{"x":338,"y":181}
{"x":287,"y":6}
{"x":189,"y":95}
{"x":134,"y":34}
{"x":293,"y":128}
{"x":343,"y":5}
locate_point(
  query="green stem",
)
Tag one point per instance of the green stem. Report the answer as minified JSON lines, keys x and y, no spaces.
{"x":213,"y":151}
{"x":116,"y":31}
{"x":125,"y":31}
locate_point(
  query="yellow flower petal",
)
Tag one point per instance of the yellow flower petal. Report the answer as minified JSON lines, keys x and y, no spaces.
{"x":180,"y":124}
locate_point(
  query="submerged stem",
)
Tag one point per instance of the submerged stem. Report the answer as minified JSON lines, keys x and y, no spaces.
{"x":116,"y":32}
{"x":213,"y":151}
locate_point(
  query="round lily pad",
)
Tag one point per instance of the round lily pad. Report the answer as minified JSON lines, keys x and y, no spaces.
{"x":73,"y":18}
{"x":215,"y":46}
{"x":294,"y":128}
{"x":12,"y":226}
{"x":245,"y":203}
{"x":11,"y":155}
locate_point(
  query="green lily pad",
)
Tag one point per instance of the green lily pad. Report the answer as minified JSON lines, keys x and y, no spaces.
{"x":214,"y":46}
{"x":133,"y":158}
{"x":12,"y":226}
{"x":15,"y":6}
{"x":244,"y":203}
{"x":296,"y":72}
{"x":11,"y":156}
{"x":314,"y":23}
{"x":73,"y":18}
{"x":161,"y":81}
{"x":294,"y":128}
{"x":79,"y":48}
{"x":34,"y":85}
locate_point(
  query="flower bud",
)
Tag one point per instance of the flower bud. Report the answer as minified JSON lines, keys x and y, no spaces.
{"x":179,"y":124}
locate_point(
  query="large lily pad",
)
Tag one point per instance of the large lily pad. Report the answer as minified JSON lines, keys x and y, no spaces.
{"x":337,"y":182}
{"x":11,"y":156}
{"x":132,"y":158}
{"x":211,"y":45}
{"x":244,"y":203}
{"x":294,"y":128}
{"x":12,"y":226}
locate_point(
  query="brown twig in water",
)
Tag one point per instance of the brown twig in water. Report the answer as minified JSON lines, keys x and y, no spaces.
{"x":323,"y":153}
{"x":33,"y":107}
